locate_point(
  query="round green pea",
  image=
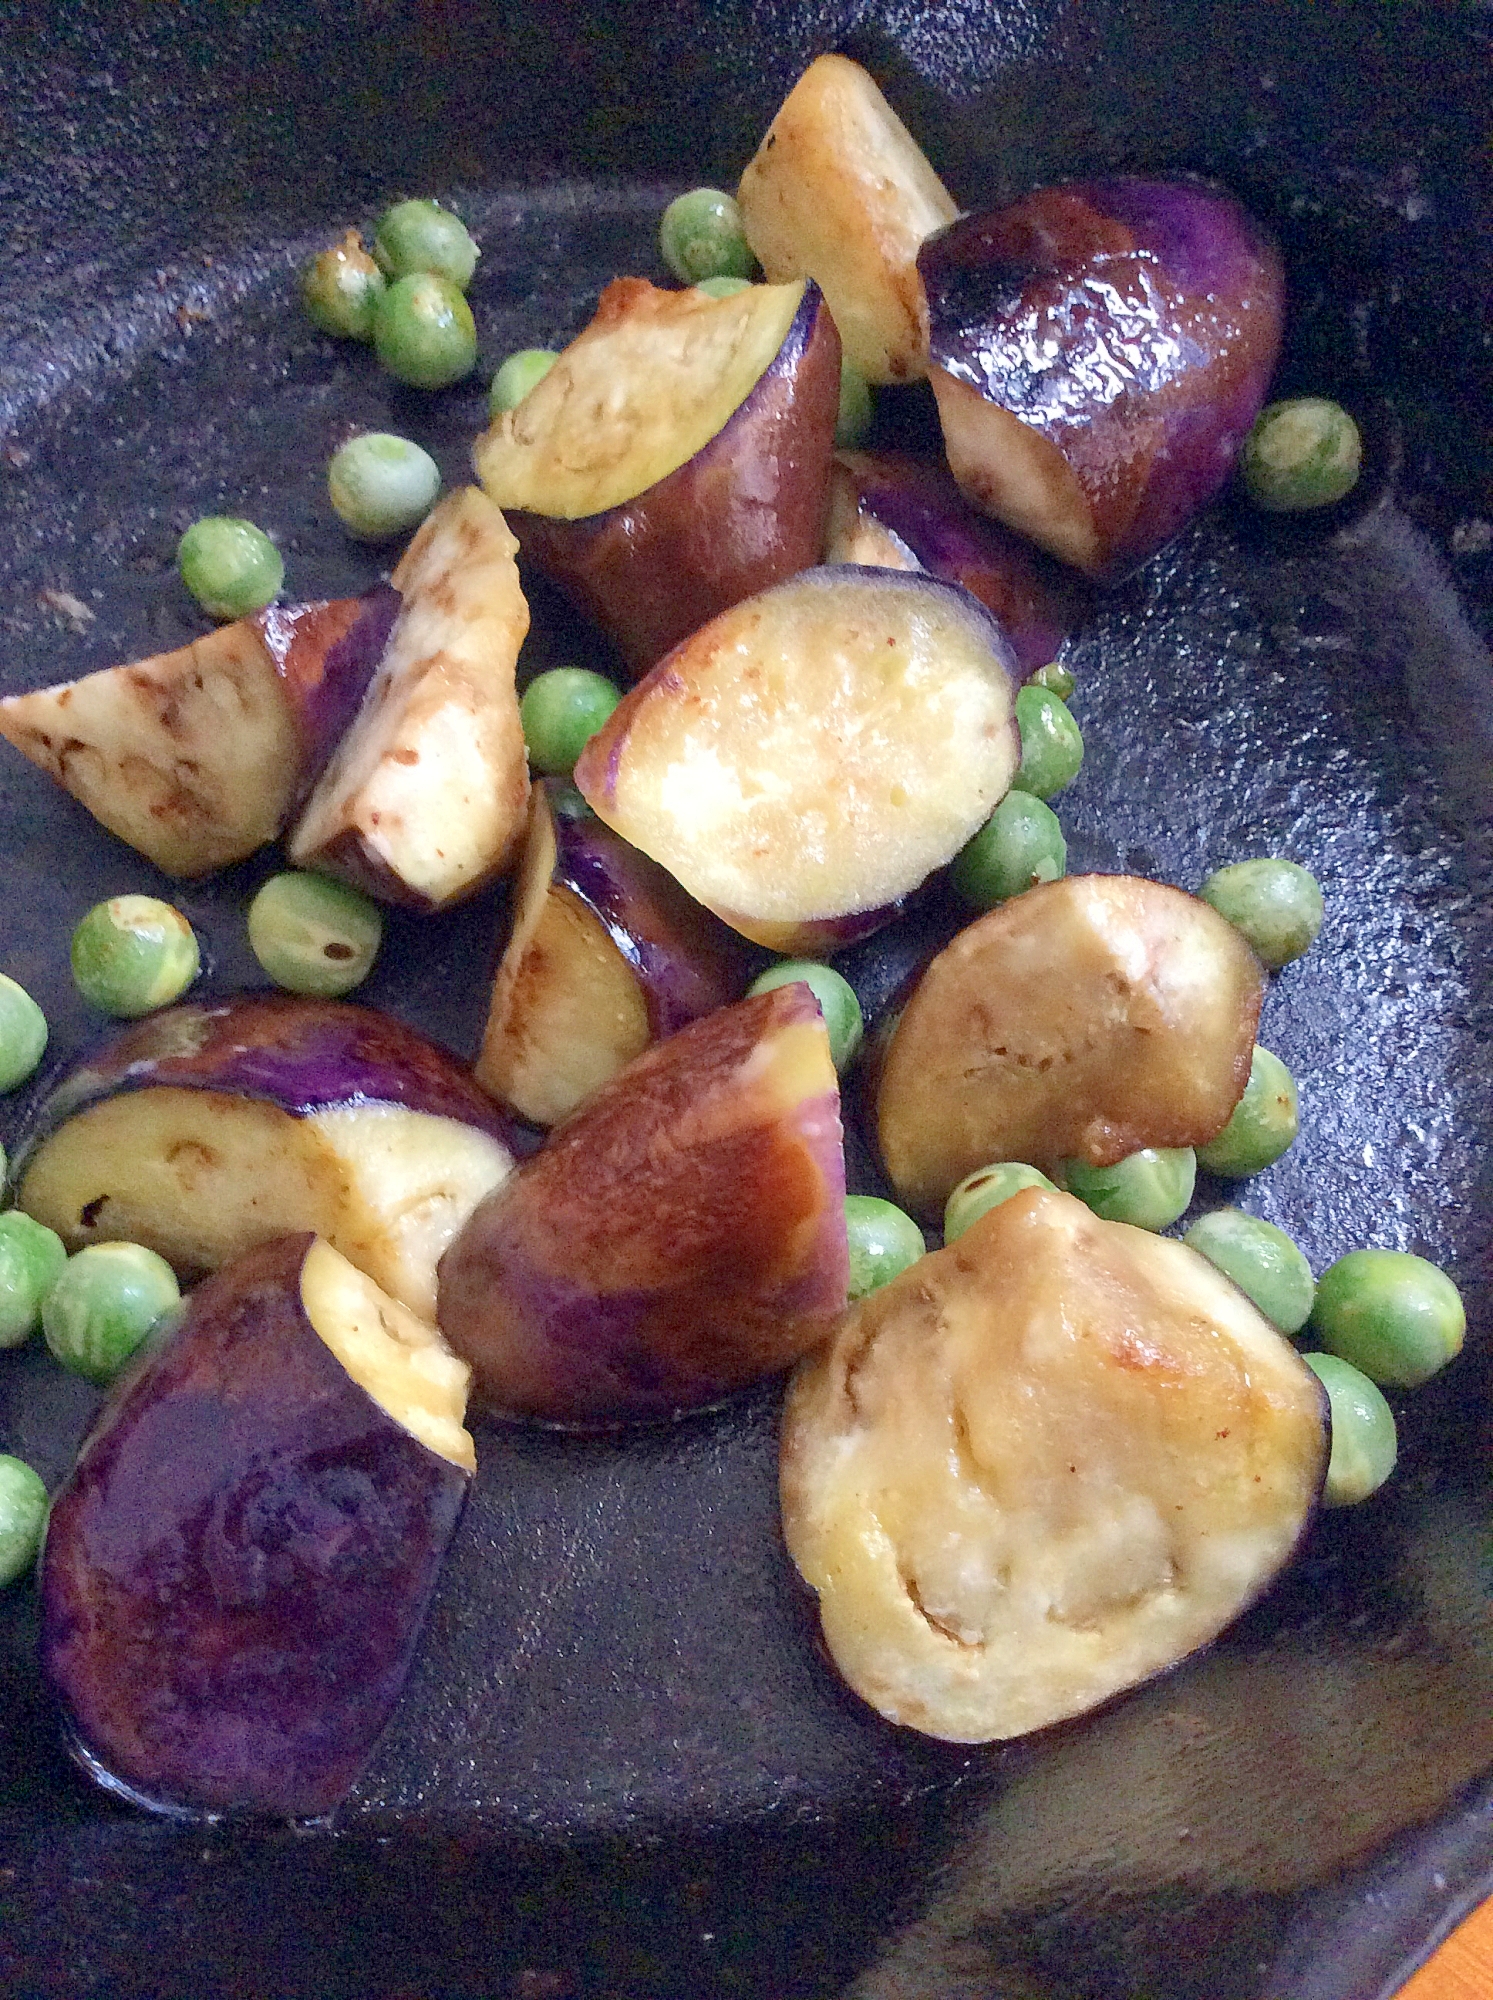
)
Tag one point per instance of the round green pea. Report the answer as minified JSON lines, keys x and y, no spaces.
{"x":1364,"y":1443}
{"x":1394,"y":1316}
{"x":836,"y":997}
{"x":1148,"y":1189}
{"x":415,"y":236}
{"x":1304,"y":452}
{"x":23,"y":1033}
{"x":31,"y":1261}
{"x":520,"y":373}
{"x":561,"y":711}
{"x":883,"y":1242}
{"x":341,"y":287}
{"x":1261,"y":1260}
{"x":700,"y":236}
{"x":1051,"y":743}
{"x":313,"y":935}
{"x":723,"y":288}
{"x":1020,"y":845}
{"x":1056,"y":678}
{"x":380,"y":485}
{"x":133,"y":954}
{"x":1262,"y":1124}
{"x":231,"y":567}
{"x":1277,"y":905}
{"x":987,"y":1188}
{"x":857,"y":408}
{"x":104,"y":1305}
{"x":423,"y":331}
{"x":23,"y":1517}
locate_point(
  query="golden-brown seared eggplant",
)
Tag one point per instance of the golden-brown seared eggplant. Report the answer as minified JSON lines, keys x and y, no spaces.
{"x":1040,"y":1466}
{"x":676,"y":457}
{"x":237,"y":1569}
{"x":206,"y":1128}
{"x":806,"y":760}
{"x":1084,"y":1019}
{"x":198,"y":757}
{"x":682,"y":1235}
{"x":606,"y":954}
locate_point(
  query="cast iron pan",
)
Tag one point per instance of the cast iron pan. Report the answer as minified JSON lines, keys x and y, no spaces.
{"x":622,"y":1766}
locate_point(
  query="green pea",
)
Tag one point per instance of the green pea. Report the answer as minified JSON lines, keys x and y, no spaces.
{"x":1395,"y":1316}
{"x":561,"y":711}
{"x":104,"y":1305}
{"x":1277,"y":905}
{"x":424,"y":333}
{"x":1055,"y":678}
{"x":416,"y":236}
{"x":1302,"y":453}
{"x":341,"y":287}
{"x":313,"y":935}
{"x":1261,"y":1260}
{"x":857,"y":408}
{"x":519,"y":374}
{"x":836,"y":997}
{"x":723,"y":288}
{"x":23,"y":1033}
{"x":700,"y":236}
{"x":380,"y":485}
{"x":1020,"y":845}
{"x":31,"y":1260}
{"x":1364,"y":1443}
{"x":1051,"y":743}
{"x":987,"y":1188}
{"x":23,"y":1517}
{"x":883,"y":1242}
{"x":231,"y":567}
{"x":132,"y":955}
{"x":1262,"y":1124}
{"x":1148,"y":1189}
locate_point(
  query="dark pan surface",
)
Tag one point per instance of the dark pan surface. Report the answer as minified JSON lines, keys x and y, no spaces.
{"x":622,"y":1766}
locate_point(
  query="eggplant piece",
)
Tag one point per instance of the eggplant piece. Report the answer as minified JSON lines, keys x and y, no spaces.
{"x":806,"y":760}
{"x":210,"y":1127}
{"x":676,"y":457}
{"x":423,"y":802}
{"x":237,"y":1569}
{"x":918,"y":517}
{"x":606,"y":955}
{"x":1099,"y":352}
{"x":1084,"y":1019}
{"x":681,"y":1236}
{"x":1040,"y":1466}
{"x":198,"y":757}
{"x":840,"y":192}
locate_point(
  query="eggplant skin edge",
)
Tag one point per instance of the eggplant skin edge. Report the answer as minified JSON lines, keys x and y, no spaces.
{"x":237,"y":1569}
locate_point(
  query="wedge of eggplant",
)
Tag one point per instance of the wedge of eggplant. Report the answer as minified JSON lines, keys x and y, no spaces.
{"x":208,"y":1128}
{"x":237,"y":1569}
{"x":1042,"y":1465}
{"x":606,"y":954}
{"x":676,"y":457}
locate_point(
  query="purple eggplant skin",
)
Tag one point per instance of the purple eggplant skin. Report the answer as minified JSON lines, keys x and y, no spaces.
{"x":686,"y":961}
{"x":326,"y":655}
{"x":920,"y":504}
{"x":1135,"y":324}
{"x":300,"y":1054}
{"x":745,"y":512}
{"x":237,"y":1569}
